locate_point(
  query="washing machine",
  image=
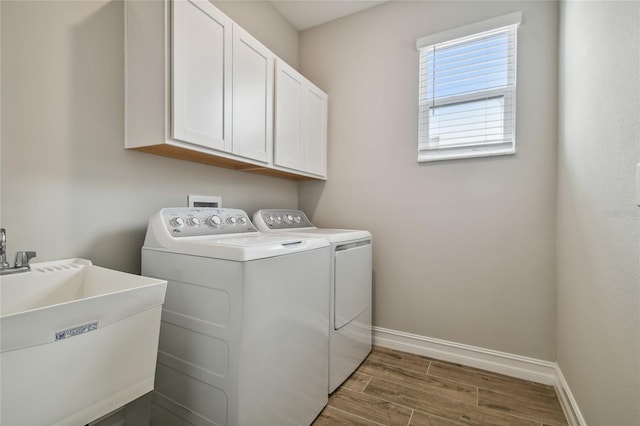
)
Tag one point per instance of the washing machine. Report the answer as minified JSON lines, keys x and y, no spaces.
{"x":244,"y":331}
{"x":350,"y":286}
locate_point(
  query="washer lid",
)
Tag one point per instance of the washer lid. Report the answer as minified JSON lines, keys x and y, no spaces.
{"x":242,"y":248}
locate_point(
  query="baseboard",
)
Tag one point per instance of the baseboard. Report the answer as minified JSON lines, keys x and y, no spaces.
{"x":518,"y":366}
{"x":567,"y":401}
{"x":115,"y":418}
{"x":521,"y":367}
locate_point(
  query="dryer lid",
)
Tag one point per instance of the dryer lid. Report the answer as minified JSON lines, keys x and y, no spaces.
{"x":331,"y":235}
{"x":296,"y":222}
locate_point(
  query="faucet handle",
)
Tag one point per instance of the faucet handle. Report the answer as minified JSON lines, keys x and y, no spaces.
{"x":23,"y":258}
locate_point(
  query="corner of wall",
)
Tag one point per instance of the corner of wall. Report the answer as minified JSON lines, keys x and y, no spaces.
{"x":517,"y":366}
{"x":567,"y":401}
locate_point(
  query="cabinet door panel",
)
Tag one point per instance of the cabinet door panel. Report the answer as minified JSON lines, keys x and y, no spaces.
{"x":314,"y":123}
{"x":252,"y":97}
{"x":289,"y":91}
{"x":201,"y":74}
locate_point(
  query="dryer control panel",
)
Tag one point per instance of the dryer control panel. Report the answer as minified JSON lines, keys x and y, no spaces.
{"x":283,"y":219}
{"x":194,"y":221}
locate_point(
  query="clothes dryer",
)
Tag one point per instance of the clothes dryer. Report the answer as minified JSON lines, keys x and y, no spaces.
{"x":244,"y":333}
{"x":350,"y":338}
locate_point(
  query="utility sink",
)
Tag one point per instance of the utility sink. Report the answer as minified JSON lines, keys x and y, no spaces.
{"x":76,"y":340}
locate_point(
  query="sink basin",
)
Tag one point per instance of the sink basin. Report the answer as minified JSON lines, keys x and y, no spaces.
{"x":76,"y":340}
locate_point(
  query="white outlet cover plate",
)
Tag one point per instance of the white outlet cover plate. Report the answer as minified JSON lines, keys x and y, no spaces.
{"x":204,"y":201}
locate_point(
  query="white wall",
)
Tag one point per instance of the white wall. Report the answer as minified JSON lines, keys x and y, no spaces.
{"x":463,"y":250}
{"x":69,"y":188}
{"x":598,"y":222}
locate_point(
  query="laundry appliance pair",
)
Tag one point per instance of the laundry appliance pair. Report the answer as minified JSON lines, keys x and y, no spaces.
{"x":257,"y":327}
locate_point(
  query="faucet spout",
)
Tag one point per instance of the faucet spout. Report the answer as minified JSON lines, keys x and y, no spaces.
{"x":3,"y":249}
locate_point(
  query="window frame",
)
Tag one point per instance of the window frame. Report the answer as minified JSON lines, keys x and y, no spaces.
{"x":427,"y":150}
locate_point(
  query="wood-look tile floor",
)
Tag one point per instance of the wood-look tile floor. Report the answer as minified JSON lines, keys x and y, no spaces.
{"x":398,"y":388}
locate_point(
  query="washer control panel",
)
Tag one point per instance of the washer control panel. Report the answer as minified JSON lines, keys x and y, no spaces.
{"x":283,"y":219}
{"x":194,"y":221}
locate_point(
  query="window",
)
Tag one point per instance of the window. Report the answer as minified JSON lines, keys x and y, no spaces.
{"x":468,"y":91}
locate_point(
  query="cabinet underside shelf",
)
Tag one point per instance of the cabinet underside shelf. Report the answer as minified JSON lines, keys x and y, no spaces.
{"x":171,"y":151}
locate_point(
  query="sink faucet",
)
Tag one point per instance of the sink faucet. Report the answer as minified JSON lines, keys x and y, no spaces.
{"x":22,"y":257}
{"x":3,"y":249}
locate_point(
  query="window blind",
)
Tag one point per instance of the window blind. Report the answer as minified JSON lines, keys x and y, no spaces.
{"x":467,"y":94}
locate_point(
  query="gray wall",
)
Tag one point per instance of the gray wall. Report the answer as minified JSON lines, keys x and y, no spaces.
{"x":598,"y":222}
{"x":463,"y":250}
{"x":69,"y":188}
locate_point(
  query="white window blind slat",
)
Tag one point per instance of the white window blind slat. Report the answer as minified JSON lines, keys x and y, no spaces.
{"x":467,"y":92}
{"x":487,"y":45}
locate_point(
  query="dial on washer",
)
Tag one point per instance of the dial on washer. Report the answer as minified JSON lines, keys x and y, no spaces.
{"x":177,"y":222}
{"x":215,"y":221}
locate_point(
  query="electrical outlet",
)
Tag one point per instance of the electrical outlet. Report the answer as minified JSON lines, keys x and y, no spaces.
{"x":204,"y":201}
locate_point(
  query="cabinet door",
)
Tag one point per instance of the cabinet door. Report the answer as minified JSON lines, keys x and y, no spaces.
{"x":301,"y":123}
{"x":288,"y":132}
{"x":314,"y":125}
{"x":201,"y":74}
{"x":252,"y":97}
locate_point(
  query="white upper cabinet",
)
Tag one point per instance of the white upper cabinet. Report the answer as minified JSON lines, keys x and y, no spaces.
{"x":301,"y":123}
{"x":200,"y":88}
{"x":288,"y":116}
{"x":201,"y":67}
{"x":314,"y":126}
{"x":252,"y":97}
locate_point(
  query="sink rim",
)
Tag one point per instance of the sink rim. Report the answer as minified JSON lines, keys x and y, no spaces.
{"x":66,"y":265}
{"x":39,"y":325}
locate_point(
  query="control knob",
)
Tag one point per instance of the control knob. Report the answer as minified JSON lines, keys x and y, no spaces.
{"x":215,"y":221}
{"x":242,"y":220}
{"x":177,"y":222}
{"x":231,"y":220}
{"x":193,"y":221}
{"x":288,"y":218}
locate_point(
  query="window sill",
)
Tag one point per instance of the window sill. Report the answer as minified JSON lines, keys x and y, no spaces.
{"x":443,"y":155}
